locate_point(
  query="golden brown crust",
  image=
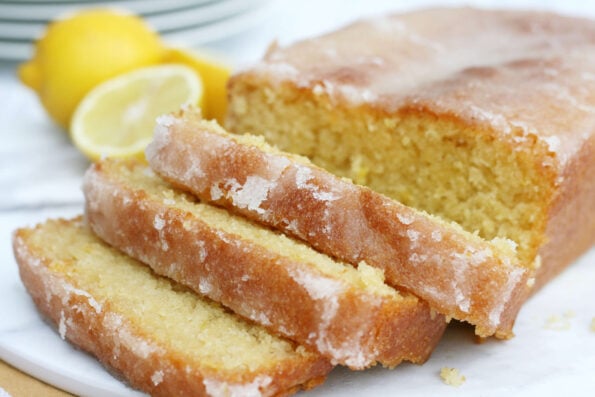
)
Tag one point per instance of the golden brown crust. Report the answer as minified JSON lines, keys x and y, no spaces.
{"x":571,"y":221}
{"x":95,"y":328}
{"x":523,"y":78}
{"x":349,"y":325}
{"x":507,"y":69}
{"x":459,"y":274}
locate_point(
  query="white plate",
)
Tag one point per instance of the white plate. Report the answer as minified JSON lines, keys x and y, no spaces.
{"x":194,"y":17}
{"x":22,"y":31}
{"x":167,"y":20}
{"x":538,"y":360}
{"x":15,"y":51}
{"x":192,"y":35}
{"x":23,"y":11}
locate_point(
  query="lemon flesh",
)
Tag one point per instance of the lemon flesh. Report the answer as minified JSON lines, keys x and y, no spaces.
{"x":117,"y":118}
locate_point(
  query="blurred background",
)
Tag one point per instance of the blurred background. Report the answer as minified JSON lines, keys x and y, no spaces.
{"x":239,"y":29}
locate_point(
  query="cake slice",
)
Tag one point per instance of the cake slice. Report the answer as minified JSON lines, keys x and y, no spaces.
{"x":160,"y":337}
{"x":483,"y":117}
{"x":348,"y":315}
{"x":457,"y":273}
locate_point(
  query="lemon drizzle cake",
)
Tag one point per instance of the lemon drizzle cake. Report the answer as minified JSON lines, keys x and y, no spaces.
{"x":457,"y":273}
{"x":160,"y":337}
{"x":348,"y":315}
{"x":484,"y":117}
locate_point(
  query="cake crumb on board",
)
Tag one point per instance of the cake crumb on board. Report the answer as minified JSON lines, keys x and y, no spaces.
{"x":593,"y":324}
{"x":452,"y":376}
{"x":559,"y":323}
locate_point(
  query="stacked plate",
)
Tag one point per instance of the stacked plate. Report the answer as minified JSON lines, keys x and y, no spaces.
{"x":183,"y":22}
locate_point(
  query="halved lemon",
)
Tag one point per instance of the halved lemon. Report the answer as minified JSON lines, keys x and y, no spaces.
{"x":117,"y":118}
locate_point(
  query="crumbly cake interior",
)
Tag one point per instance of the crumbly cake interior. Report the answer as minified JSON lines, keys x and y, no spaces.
{"x":209,"y":337}
{"x":464,"y":175}
{"x":503,"y":246}
{"x":140,"y":177}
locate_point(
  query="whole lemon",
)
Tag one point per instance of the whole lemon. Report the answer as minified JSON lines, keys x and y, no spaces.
{"x":77,"y":53}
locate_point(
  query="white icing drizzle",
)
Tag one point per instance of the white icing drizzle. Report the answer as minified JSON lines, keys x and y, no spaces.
{"x":158,"y":222}
{"x":514,"y":278}
{"x":260,"y":317}
{"x":202,"y":250}
{"x":205,"y":286}
{"x":157,"y":377}
{"x":327,"y":292}
{"x":161,"y":136}
{"x":166,"y":121}
{"x":480,"y":256}
{"x":193,"y":171}
{"x":218,"y":388}
{"x":553,"y":143}
{"x":69,"y":289}
{"x":413,"y":236}
{"x":250,"y":195}
{"x":159,"y":225}
{"x":124,"y":337}
{"x":405,"y":219}
{"x":416,"y":257}
{"x":355,"y":95}
{"x":498,"y":121}
{"x":433,"y":292}
{"x":216,"y":192}
{"x":459,"y":264}
{"x":401,"y":30}
{"x":62,"y":325}
{"x":302,"y":177}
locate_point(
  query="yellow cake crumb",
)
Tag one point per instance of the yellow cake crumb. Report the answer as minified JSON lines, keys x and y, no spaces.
{"x":559,"y":323}
{"x":593,"y":324}
{"x":452,"y":376}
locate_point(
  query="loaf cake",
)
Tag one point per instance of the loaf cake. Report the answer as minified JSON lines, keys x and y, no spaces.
{"x":160,"y":337}
{"x":456,"y":272}
{"x":486,"y":118}
{"x":349,"y":315}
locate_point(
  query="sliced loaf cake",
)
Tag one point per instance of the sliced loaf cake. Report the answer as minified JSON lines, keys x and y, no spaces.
{"x":159,"y":336}
{"x":483,"y":117}
{"x":349,"y":315}
{"x":457,"y":273}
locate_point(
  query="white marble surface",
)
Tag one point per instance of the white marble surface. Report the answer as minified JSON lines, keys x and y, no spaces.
{"x":40,"y":177}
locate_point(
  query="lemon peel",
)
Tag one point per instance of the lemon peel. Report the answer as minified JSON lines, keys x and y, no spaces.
{"x":84,"y":49}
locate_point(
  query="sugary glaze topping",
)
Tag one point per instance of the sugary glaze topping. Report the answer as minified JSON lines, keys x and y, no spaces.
{"x":68,"y":271}
{"x":331,"y":286}
{"x":446,"y":266}
{"x":218,"y":388}
{"x":528,"y":75}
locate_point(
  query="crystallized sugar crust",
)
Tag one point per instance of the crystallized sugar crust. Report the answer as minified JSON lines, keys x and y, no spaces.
{"x":521,"y":81}
{"x":459,"y":61}
{"x":457,"y":273}
{"x":334,"y":314}
{"x":147,"y":365}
